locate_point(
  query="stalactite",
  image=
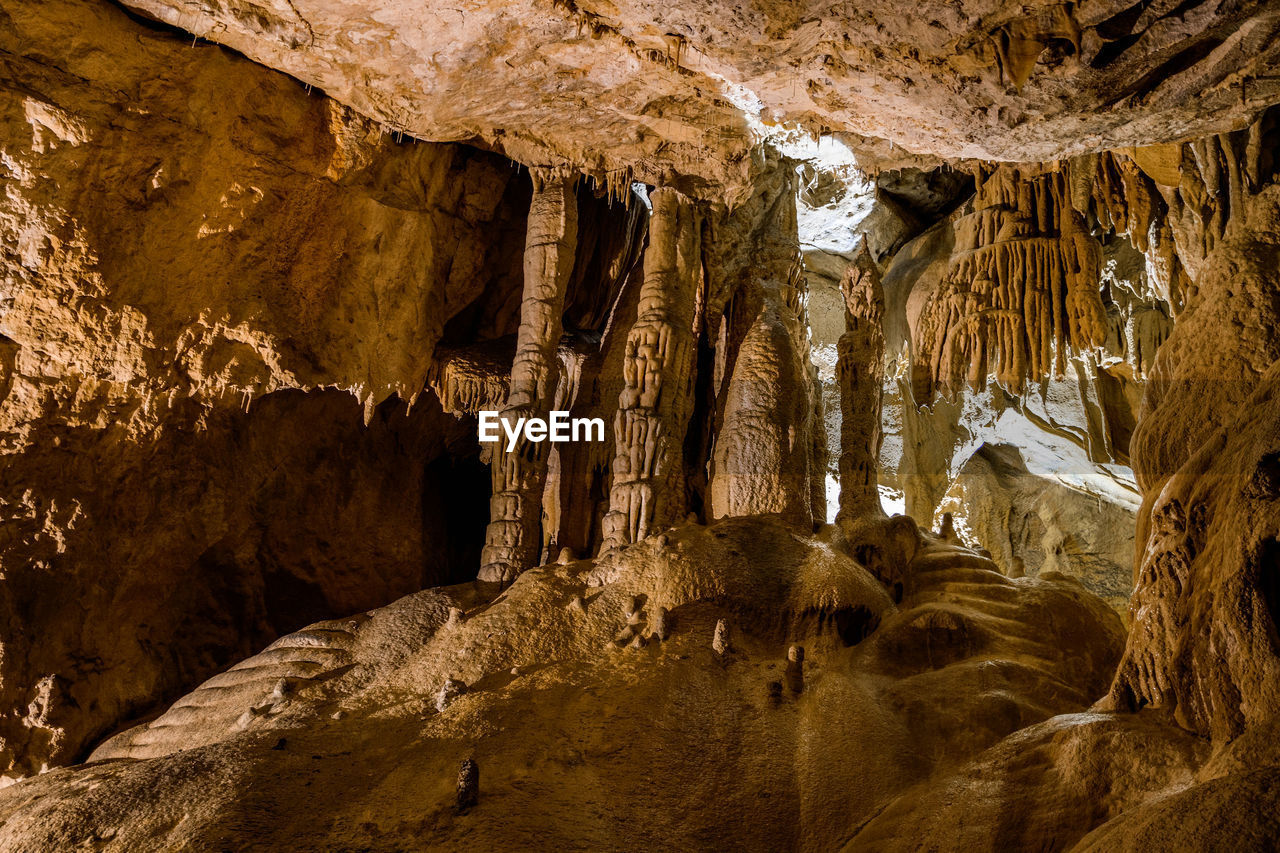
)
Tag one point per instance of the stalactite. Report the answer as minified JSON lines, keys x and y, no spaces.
{"x":860,"y":375}
{"x":1021,"y":291}
{"x":512,"y":540}
{"x":647,"y":492}
{"x":469,"y":379}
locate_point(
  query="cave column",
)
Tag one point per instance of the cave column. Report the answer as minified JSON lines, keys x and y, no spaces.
{"x":513,"y":541}
{"x":763,"y":460}
{"x":648,"y":491}
{"x":769,"y":454}
{"x":860,"y":376}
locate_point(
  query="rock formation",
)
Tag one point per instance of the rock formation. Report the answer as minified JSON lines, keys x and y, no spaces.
{"x":656,"y":400}
{"x":513,"y":540}
{"x":265,"y":584}
{"x":860,"y":374}
{"x":643,"y":90}
{"x":768,"y":454}
{"x":1021,"y":292}
{"x":1203,"y":642}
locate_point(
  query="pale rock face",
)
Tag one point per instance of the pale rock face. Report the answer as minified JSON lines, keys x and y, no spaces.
{"x":1034,"y":525}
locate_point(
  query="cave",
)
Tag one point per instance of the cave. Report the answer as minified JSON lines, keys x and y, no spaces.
{"x":933,"y":357}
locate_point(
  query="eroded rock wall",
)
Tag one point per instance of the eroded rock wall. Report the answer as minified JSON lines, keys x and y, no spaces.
{"x":1204,"y":644}
{"x":189,"y":238}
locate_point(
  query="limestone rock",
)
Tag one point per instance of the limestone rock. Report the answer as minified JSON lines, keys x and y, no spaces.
{"x":644,"y":89}
{"x":1033,"y":524}
{"x":964,"y":661}
{"x":448,"y":693}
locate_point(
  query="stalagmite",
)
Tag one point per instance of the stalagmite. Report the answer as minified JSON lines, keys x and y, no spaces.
{"x":762,"y":462}
{"x":860,"y":374}
{"x":468,"y":784}
{"x":648,"y":489}
{"x":764,"y":456}
{"x":512,"y":541}
{"x":720,"y":642}
{"x":660,"y":625}
{"x":448,"y":692}
{"x":795,"y":669}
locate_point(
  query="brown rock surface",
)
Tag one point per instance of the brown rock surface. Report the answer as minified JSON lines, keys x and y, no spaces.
{"x":654,"y":88}
{"x":367,"y":761}
{"x":1204,"y":636}
{"x":167,"y":274}
{"x":246,"y":329}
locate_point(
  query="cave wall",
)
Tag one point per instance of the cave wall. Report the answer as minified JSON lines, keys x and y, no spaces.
{"x":1204,"y":644}
{"x":246,"y":333}
{"x":196,"y":249}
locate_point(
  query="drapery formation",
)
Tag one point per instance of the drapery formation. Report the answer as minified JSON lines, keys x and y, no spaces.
{"x":1022,"y":289}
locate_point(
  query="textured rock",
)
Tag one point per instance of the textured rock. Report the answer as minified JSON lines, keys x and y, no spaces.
{"x":1060,"y":778}
{"x":246,"y":330}
{"x":1204,"y":612}
{"x":962,"y":632}
{"x":652,"y":89}
{"x":169,"y":275}
{"x":656,"y":401}
{"x":1036,"y":524}
{"x":513,"y":542}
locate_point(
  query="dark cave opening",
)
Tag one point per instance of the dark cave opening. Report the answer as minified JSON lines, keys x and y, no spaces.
{"x":1269,"y":585}
{"x":455,"y":513}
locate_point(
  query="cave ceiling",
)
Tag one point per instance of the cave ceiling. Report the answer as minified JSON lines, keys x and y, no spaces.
{"x":681,"y":92}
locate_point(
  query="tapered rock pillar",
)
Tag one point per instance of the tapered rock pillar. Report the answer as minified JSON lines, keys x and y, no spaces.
{"x":648,"y":491}
{"x":763,"y":459}
{"x":860,"y":375}
{"x":512,"y":541}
